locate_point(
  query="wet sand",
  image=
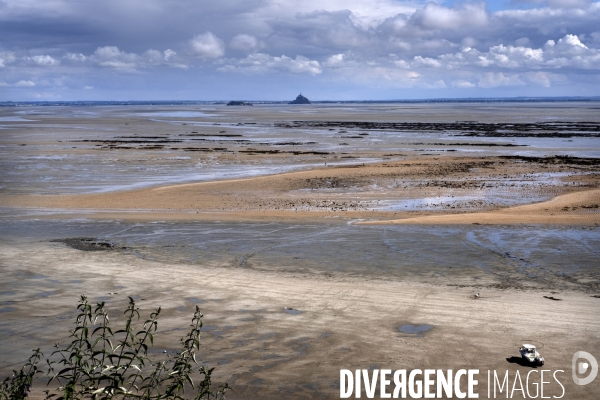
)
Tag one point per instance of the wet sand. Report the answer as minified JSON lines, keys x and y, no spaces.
{"x":223,"y":176}
{"x":345,"y":322}
{"x":456,"y":187}
{"x":579,"y":208}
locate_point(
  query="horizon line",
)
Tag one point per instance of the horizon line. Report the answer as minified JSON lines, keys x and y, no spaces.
{"x":432,"y":99}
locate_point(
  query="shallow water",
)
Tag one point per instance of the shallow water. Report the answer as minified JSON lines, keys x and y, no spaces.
{"x":175,"y":114}
{"x":14,"y":119}
{"x":56,"y":152}
{"x":445,"y":202}
{"x":535,"y":254}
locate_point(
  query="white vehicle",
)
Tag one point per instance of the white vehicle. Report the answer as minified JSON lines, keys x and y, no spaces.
{"x":531,"y":355}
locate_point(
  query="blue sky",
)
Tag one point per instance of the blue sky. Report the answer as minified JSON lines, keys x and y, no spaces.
{"x":273,"y":49}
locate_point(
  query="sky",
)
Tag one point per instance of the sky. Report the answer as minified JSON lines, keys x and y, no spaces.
{"x":275,"y":49}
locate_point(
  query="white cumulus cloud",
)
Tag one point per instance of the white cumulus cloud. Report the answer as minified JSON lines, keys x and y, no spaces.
{"x":571,"y":41}
{"x":463,"y":84}
{"x":78,"y":57}
{"x":24,"y":83}
{"x":111,"y":56}
{"x":169,"y":54}
{"x":402,"y":64}
{"x":168,"y":57}
{"x":495,"y":79}
{"x":244,"y":42}
{"x":261,"y":63}
{"x":207,"y":45}
{"x":334,"y":61}
{"x":6,"y":57}
{"x":45,"y":61}
{"x":434,"y":16}
{"x":154,"y":57}
{"x":568,"y":52}
{"x":426,"y":62}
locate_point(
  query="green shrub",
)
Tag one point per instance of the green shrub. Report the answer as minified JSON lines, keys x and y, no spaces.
{"x":102,"y":363}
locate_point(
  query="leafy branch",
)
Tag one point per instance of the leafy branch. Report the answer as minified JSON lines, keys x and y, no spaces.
{"x":100,"y":363}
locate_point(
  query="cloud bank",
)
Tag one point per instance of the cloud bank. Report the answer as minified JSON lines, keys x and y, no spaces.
{"x":356,"y":48}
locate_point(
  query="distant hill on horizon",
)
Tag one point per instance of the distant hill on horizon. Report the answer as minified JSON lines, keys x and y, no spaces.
{"x":300,"y":100}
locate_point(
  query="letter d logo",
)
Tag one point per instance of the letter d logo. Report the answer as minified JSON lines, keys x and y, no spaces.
{"x":582,"y":367}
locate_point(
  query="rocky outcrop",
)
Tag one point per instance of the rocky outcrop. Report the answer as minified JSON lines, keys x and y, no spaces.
{"x":300,"y":100}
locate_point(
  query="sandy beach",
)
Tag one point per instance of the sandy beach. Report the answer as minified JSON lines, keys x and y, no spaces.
{"x":312,"y":262}
{"x":347,"y":192}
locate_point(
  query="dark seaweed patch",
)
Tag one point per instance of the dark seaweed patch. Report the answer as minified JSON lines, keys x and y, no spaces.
{"x":88,"y":244}
{"x":556,"y":160}
{"x":557,"y":129}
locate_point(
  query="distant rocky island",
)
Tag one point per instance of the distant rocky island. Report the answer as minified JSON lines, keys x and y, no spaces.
{"x":300,"y":100}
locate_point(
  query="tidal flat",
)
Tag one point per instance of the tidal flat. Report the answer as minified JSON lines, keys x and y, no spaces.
{"x":309,"y":234}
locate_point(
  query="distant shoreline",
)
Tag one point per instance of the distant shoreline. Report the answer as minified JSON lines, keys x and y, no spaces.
{"x":86,"y":103}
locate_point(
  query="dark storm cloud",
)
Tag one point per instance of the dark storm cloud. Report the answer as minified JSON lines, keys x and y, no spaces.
{"x":135,"y":25}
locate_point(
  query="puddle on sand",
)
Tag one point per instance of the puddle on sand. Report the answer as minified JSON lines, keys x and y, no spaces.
{"x":292,"y":311}
{"x":416,"y":330}
{"x":7,"y":309}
